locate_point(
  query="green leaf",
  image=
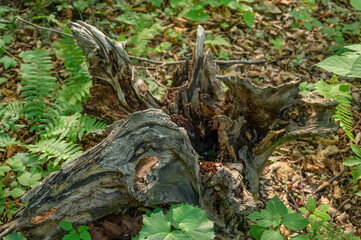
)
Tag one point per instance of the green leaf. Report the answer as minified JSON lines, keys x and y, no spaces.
{"x":82,"y":228}
{"x":85,"y":235}
{"x":17,"y":192}
{"x":257,"y":231}
{"x":311,"y":204}
{"x":14,"y":236}
{"x":356,"y":4}
{"x":255,"y":215}
{"x":8,"y":62}
{"x":329,"y":31}
{"x":4,"y":168}
{"x":271,"y":235}
{"x":352,"y":161}
{"x":248,"y":18}
{"x":356,"y":149}
{"x":29,"y":179}
{"x":294,"y":221}
{"x":307,"y":25}
{"x":185,"y":217}
{"x":276,"y":207}
{"x":323,"y":215}
{"x":300,"y":237}
{"x":356,"y":173}
{"x":155,"y":227}
{"x":2,"y":80}
{"x":196,"y":13}
{"x":65,"y":225}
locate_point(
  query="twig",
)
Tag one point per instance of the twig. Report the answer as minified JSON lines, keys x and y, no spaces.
{"x":289,"y":194}
{"x":328,"y":183}
{"x":162,"y":85}
{"x":11,"y":55}
{"x":44,"y":28}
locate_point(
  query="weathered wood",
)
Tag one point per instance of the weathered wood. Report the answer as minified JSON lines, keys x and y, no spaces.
{"x":150,"y":157}
{"x":147,"y":160}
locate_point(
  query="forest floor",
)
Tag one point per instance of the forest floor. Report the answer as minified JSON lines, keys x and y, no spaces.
{"x":297,"y":169}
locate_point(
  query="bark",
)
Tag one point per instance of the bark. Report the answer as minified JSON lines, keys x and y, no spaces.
{"x":151,"y":155}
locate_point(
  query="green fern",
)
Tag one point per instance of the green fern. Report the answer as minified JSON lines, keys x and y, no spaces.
{"x":6,"y":140}
{"x":76,"y":88}
{"x":218,"y":40}
{"x":143,"y":37}
{"x":10,"y":113}
{"x":39,"y":89}
{"x":73,"y":127}
{"x":57,"y":149}
{"x":340,"y":93}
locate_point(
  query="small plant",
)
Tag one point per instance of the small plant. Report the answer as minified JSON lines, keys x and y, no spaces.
{"x":75,"y":234}
{"x":315,"y":223}
{"x":183,"y":221}
{"x":269,"y":221}
{"x":356,"y":163}
{"x":277,"y":44}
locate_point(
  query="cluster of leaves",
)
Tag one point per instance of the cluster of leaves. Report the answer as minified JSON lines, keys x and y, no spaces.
{"x":315,"y":222}
{"x":332,"y":27}
{"x":50,"y":119}
{"x":347,"y":65}
{"x":5,"y":23}
{"x":183,"y":221}
{"x":75,"y":234}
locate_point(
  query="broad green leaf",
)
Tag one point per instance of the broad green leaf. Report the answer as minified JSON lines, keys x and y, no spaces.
{"x":29,"y":179}
{"x":356,"y":68}
{"x":352,"y":161}
{"x":294,"y":221}
{"x":276,"y":207}
{"x":356,"y":149}
{"x":17,"y":192}
{"x":356,"y":4}
{"x":255,"y":216}
{"x":16,"y":164}
{"x":186,"y":217}
{"x":323,"y":215}
{"x":248,"y":17}
{"x":196,"y":13}
{"x":356,"y":173}
{"x":257,"y":231}
{"x":14,"y":236}
{"x":354,"y":47}
{"x":340,"y":65}
{"x":2,"y":80}
{"x":4,"y":168}
{"x":8,"y":62}
{"x":82,"y":228}
{"x":155,"y":227}
{"x":324,"y":207}
{"x":85,"y":235}
{"x":300,"y":237}
{"x":307,"y":25}
{"x":265,"y":223}
{"x":65,"y":225}
{"x":271,"y":235}
{"x":311,"y":204}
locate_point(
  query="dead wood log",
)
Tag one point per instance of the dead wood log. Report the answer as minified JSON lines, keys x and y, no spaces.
{"x":150,"y":157}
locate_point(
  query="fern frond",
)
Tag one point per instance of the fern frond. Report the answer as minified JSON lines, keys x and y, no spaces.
{"x":76,"y":88}
{"x":6,"y":140}
{"x":39,"y":89}
{"x":10,"y":113}
{"x":143,"y":37}
{"x":73,"y":127}
{"x":56,"y":149}
{"x":340,"y":93}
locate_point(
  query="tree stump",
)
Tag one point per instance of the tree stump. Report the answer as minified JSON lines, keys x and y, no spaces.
{"x":151,"y":157}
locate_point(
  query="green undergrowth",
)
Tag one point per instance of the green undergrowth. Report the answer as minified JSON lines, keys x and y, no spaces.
{"x":44,"y":125}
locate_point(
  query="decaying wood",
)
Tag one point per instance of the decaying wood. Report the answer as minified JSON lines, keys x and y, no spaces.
{"x":150,"y":157}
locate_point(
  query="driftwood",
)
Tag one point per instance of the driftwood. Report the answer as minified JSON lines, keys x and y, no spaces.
{"x":150,"y":158}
